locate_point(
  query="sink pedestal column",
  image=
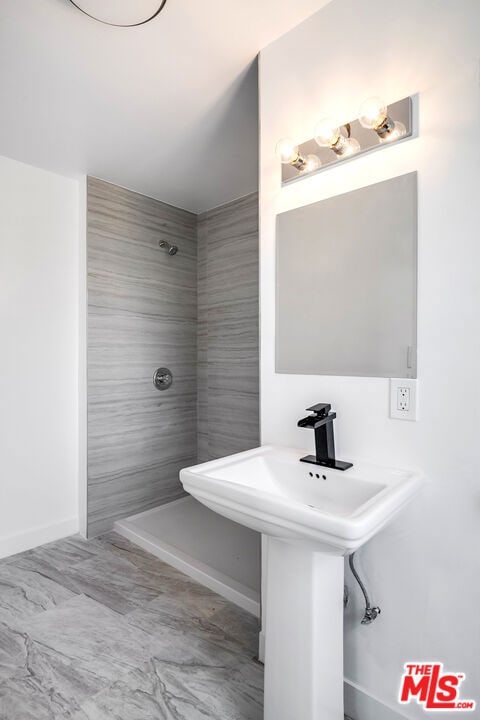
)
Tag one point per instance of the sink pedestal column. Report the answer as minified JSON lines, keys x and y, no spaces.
{"x":303,"y":634}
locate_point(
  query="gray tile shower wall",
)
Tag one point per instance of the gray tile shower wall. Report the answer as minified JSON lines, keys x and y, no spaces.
{"x":228,"y":346}
{"x":142,"y":314}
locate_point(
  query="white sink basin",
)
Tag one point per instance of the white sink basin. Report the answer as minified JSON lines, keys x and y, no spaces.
{"x":269,"y":490}
{"x":312,"y":516}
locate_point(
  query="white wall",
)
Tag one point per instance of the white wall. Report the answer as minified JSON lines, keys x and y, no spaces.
{"x":39,"y":331}
{"x":424,"y":569}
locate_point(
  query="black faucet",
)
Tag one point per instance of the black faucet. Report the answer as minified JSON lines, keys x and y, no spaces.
{"x":322,"y":423}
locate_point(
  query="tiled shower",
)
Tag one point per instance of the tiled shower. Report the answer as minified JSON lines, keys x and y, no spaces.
{"x":196,"y":313}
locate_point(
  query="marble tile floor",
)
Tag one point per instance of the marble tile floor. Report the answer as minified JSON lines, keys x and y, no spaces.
{"x":101,"y":630}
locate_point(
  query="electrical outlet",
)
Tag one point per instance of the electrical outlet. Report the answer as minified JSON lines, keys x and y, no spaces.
{"x":403,"y":399}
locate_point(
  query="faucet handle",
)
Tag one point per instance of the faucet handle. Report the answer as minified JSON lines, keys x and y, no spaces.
{"x":321,"y":409}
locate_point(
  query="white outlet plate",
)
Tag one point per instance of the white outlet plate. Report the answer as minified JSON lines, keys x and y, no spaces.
{"x":403,"y":394}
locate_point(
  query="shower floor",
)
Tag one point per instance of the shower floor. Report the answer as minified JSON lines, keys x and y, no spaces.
{"x":211,"y":549}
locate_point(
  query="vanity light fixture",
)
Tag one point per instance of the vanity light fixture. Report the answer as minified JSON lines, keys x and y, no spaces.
{"x":334,"y":142}
{"x":338,"y":139}
{"x":373,"y":115}
{"x":288,"y":154}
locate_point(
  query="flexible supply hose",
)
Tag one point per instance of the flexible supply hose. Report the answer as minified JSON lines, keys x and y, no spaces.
{"x":371,"y":613}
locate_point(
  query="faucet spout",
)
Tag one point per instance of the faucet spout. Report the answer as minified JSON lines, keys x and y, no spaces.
{"x":322,"y":423}
{"x":306,"y":421}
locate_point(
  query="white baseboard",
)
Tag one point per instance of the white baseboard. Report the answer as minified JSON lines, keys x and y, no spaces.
{"x":361,"y":705}
{"x":14,"y":544}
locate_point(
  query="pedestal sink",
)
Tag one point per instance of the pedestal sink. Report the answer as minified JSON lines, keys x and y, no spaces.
{"x":313,"y":516}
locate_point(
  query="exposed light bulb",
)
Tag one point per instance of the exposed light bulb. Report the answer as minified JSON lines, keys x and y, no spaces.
{"x":312,"y":162}
{"x":399,"y":130}
{"x":372,"y":113}
{"x":327,"y":133}
{"x":287,"y":151}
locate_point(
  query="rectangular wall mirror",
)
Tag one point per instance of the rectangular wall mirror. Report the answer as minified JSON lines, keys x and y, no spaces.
{"x":346,"y":301}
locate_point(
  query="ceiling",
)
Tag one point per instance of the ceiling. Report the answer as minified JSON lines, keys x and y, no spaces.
{"x":168,"y":109}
